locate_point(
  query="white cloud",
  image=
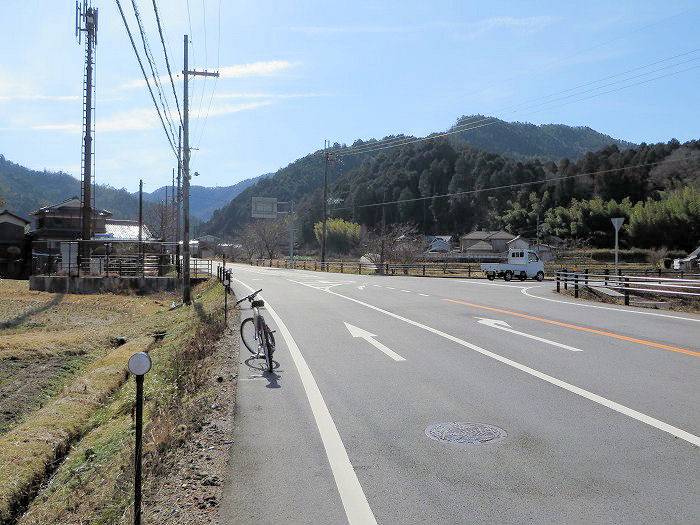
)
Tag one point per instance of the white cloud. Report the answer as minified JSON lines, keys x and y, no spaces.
{"x":266,"y":95}
{"x":253,"y":69}
{"x":529,"y":24}
{"x":341,"y":30}
{"x":141,"y":119}
{"x":53,"y":98}
{"x":234,"y":108}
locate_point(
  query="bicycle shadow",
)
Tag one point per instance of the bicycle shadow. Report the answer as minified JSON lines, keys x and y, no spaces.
{"x":258,"y":365}
{"x":25,"y":316}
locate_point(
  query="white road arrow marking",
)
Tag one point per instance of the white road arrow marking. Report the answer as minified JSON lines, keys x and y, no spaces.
{"x":502,"y":325}
{"x":364,"y":334}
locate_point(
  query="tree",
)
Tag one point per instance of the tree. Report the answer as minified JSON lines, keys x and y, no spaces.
{"x":341,"y":235}
{"x":249,"y":241}
{"x":395,"y":243}
{"x":270,"y":234}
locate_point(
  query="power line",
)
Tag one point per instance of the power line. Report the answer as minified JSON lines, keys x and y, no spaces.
{"x":145,"y":76}
{"x":508,"y":186}
{"x":216,"y":79}
{"x":454,"y":131}
{"x":602,"y":79}
{"x":154,"y":70}
{"x":167,"y":62}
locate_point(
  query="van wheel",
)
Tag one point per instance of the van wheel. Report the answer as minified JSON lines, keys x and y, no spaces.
{"x":522,"y":276}
{"x":508,"y":275}
{"x":490,"y":276}
{"x":539,"y":276}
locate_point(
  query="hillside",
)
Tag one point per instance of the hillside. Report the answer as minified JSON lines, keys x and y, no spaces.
{"x":204,"y":200}
{"x":25,"y":190}
{"x":304,"y":177}
{"x":522,"y":140}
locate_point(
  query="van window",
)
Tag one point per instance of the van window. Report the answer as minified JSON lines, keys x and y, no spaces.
{"x":532,"y":257}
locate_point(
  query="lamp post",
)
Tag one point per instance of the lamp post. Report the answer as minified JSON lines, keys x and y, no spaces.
{"x":139,"y":365}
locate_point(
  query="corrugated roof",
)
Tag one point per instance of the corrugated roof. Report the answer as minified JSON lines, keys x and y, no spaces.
{"x":480,"y":246}
{"x":126,"y":231}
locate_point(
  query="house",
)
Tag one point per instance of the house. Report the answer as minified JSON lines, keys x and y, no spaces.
{"x":688,"y":263}
{"x":207,"y":246}
{"x":62,"y":221}
{"x":518,"y":243}
{"x":480,"y":242}
{"x":13,"y":247}
{"x":124,"y":230}
{"x":439,"y":243}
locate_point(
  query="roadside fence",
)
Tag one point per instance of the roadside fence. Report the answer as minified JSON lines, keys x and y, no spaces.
{"x":425,"y":269}
{"x":622,"y":285}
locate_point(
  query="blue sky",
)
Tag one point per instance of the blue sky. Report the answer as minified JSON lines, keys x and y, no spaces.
{"x":296,"y":73}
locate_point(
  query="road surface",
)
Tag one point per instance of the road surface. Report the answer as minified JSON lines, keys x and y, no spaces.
{"x":594,"y":408}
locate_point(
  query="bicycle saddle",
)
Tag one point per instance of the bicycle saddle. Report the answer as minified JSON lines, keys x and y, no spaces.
{"x":258,"y":303}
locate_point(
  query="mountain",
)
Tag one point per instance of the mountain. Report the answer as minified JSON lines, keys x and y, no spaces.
{"x":25,"y":190}
{"x":522,"y":140}
{"x":204,"y":200}
{"x":302,"y":180}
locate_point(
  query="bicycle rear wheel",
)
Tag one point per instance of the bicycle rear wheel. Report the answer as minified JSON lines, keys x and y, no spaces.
{"x":269,"y":347}
{"x":248,"y":335}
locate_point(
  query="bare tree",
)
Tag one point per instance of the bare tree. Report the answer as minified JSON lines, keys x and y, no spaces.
{"x":270,"y":234}
{"x":249,"y":242}
{"x":397,"y":243}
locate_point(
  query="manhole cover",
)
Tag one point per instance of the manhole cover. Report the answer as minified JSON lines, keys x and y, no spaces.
{"x":465,"y":433}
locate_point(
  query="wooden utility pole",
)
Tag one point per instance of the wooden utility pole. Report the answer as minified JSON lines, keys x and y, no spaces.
{"x":328,"y":157}
{"x":178,"y":202}
{"x":186,"y":289}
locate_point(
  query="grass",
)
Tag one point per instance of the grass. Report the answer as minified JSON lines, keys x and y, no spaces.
{"x":94,"y":482}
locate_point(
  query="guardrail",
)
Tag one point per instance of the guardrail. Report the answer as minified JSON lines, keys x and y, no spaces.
{"x":425,"y":269}
{"x":670,"y":287}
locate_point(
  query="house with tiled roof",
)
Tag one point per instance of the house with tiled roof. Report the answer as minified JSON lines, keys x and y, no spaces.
{"x":485,"y":242}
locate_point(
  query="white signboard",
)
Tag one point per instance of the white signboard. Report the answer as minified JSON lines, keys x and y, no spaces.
{"x":617,"y":222}
{"x":264,"y":208}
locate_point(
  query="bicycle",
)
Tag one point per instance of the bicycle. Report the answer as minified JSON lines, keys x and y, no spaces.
{"x":255,"y":334}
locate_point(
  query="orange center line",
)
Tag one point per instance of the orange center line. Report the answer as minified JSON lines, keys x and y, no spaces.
{"x":582,"y":328}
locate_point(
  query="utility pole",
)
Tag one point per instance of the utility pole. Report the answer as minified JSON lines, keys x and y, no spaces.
{"x":141,"y":224}
{"x":179,"y":200}
{"x":89,"y":16}
{"x":329,"y":157}
{"x":186,"y":290}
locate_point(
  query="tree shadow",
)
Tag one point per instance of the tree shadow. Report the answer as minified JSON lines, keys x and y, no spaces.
{"x":24,"y":317}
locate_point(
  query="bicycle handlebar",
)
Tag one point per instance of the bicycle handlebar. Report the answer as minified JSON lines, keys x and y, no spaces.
{"x":250,"y":297}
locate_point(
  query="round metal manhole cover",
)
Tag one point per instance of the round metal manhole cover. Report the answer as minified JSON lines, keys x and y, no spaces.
{"x":461,"y":433}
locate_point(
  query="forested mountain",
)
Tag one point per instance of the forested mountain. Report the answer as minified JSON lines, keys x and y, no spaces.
{"x":25,"y":190}
{"x":574,"y":199}
{"x":305,"y":176}
{"x":204,"y":200}
{"x":522,"y":140}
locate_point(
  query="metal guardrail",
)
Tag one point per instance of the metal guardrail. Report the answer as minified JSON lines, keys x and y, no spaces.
{"x":351,"y":267}
{"x":670,"y":287}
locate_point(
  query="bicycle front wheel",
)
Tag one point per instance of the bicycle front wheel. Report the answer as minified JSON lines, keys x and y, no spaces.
{"x":248,"y":335}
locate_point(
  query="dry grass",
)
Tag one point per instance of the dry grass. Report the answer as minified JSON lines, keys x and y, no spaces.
{"x":94,"y":483}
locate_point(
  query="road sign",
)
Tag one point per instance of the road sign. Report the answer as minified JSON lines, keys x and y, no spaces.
{"x":264,"y":208}
{"x":617,"y":222}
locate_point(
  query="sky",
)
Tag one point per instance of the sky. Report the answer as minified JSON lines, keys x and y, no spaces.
{"x":294,"y":74}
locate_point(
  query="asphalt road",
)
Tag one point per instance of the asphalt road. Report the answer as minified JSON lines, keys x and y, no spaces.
{"x":598,"y":404}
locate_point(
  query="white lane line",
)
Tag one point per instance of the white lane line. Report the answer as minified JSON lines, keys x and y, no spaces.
{"x":407,"y":291}
{"x":424,"y":294}
{"x":378,"y":286}
{"x":617,"y":407}
{"x":389,"y":288}
{"x":524,"y":292}
{"x":502,"y":325}
{"x":355,"y":503}
{"x":494,"y":284}
{"x":369,"y":337}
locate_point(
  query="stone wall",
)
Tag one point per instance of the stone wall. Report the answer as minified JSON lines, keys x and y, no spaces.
{"x":95,"y":285}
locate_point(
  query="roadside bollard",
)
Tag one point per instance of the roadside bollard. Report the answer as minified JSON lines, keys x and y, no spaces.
{"x":558,"y":283}
{"x":566,"y":279}
{"x":627,"y":292}
{"x":576,"y":285}
{"x":139,"y":365}
{"x":227,"y":287}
